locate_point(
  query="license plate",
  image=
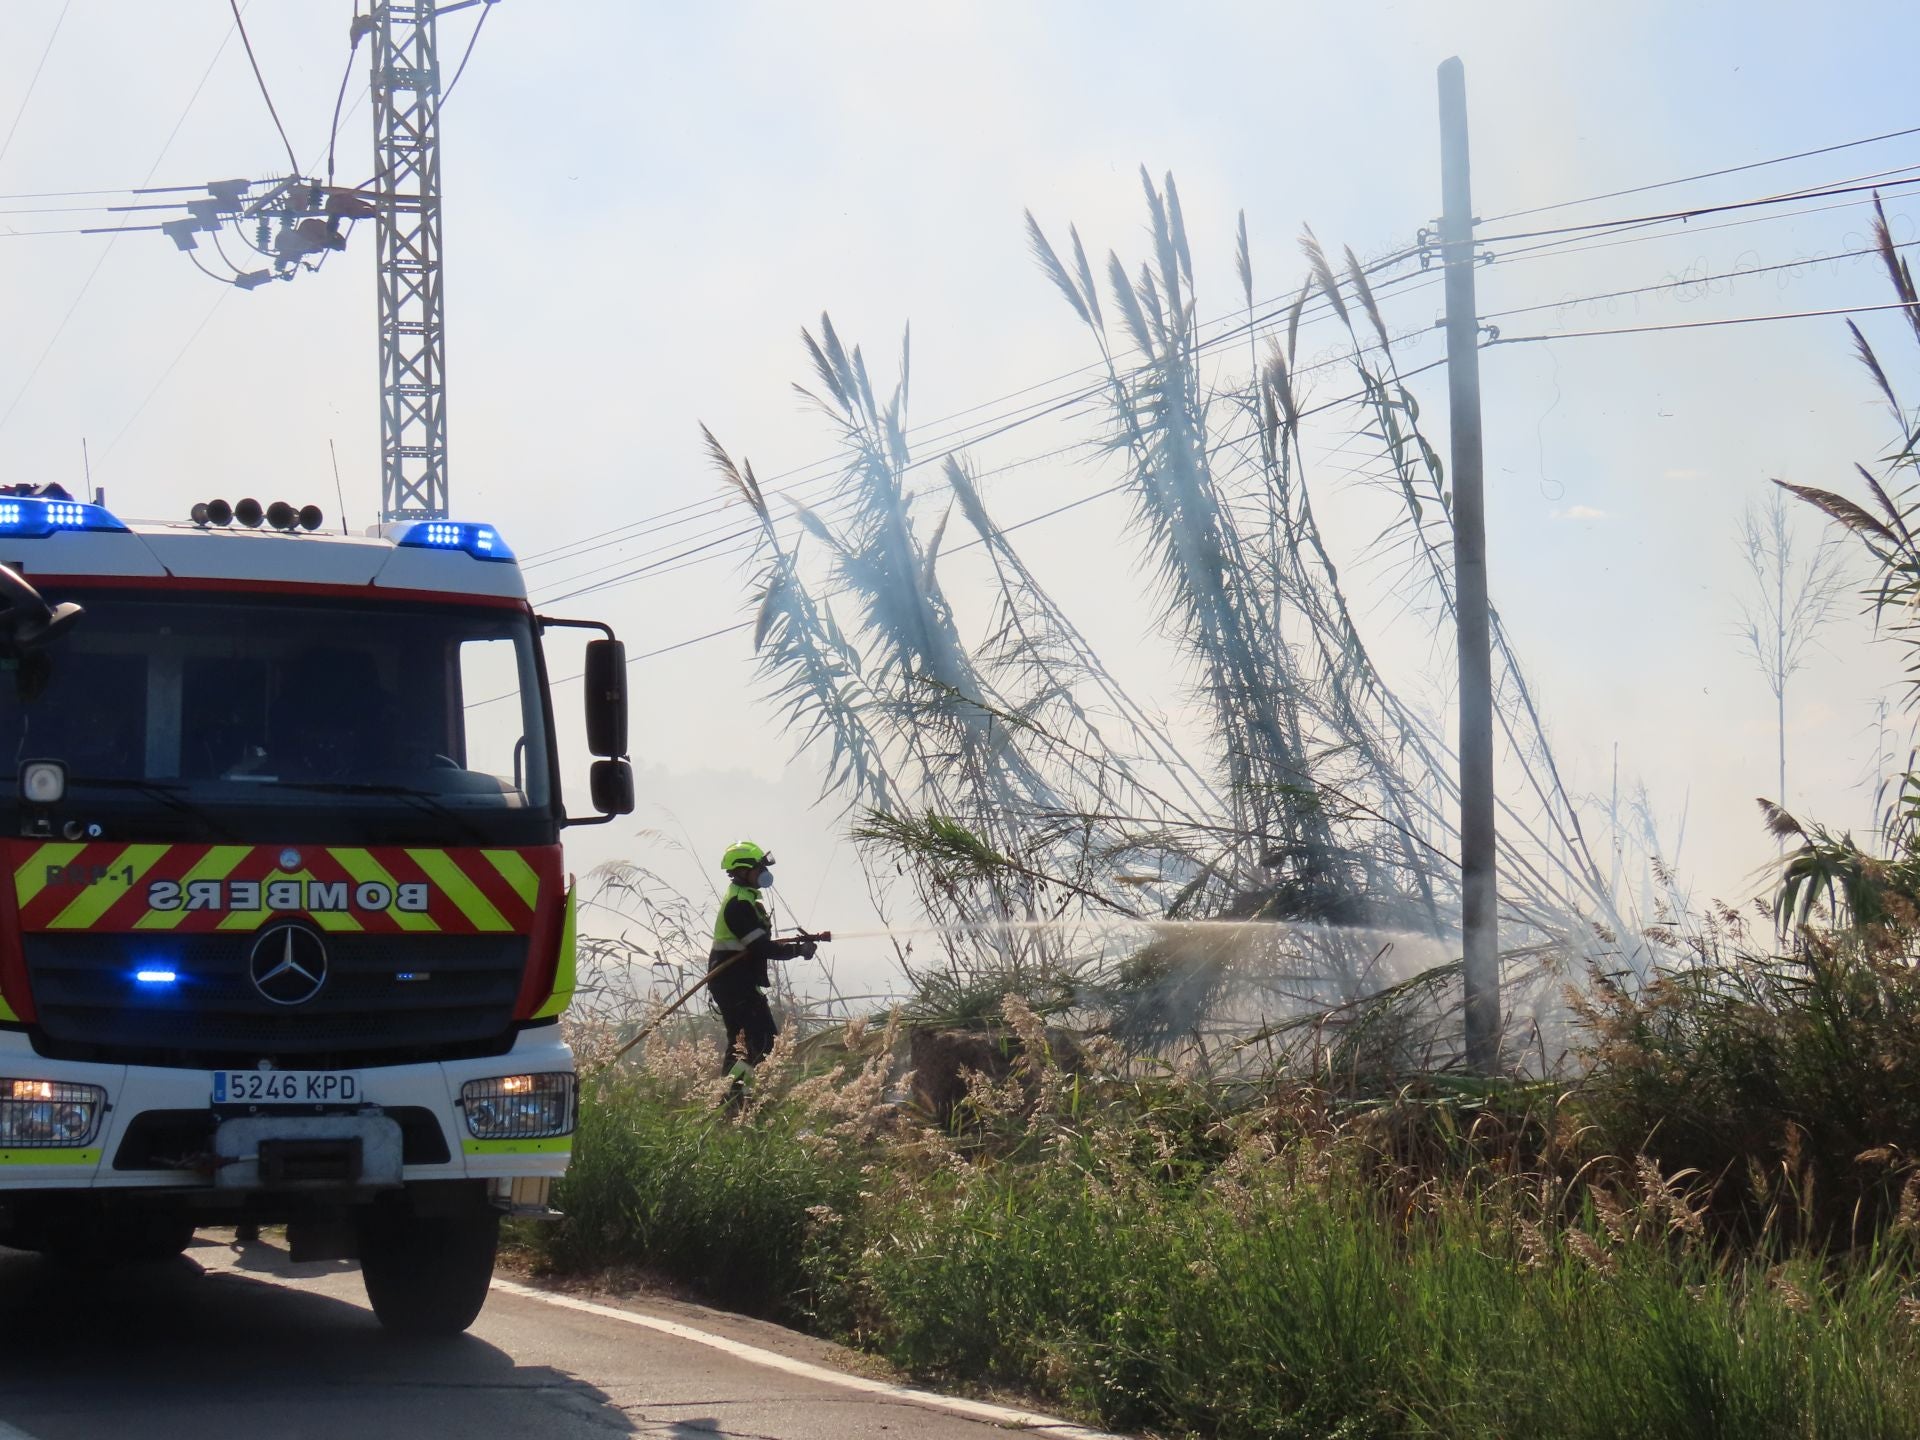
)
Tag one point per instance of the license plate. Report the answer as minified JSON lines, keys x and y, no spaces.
{"x":285,"y":1087}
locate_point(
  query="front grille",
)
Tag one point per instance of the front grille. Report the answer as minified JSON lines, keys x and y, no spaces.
{"x":182,"y":1139}
{"x":458,"y":1002}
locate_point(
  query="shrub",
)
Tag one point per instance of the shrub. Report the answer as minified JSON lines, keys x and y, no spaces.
{"x":1151,"y":1251}
{"x":1791,"y":1084}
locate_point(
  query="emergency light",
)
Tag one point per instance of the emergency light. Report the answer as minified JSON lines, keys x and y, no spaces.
{"x":482,"y":542}
{"x":31,"y":517}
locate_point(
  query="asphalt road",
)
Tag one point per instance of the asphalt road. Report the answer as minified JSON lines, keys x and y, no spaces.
{"x":237,"y":1343}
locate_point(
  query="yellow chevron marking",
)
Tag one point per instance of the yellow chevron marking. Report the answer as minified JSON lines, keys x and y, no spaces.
{"x":216,"y":864}
{"x":93,"y":901}
{"x":361,"y":865}
{"x":31,"y":878}
{"x":563,"y":971}
{"x":515,"y":870}
{"x":458,"y":887}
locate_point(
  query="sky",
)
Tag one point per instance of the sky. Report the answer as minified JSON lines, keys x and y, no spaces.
{"x":645,"y":203}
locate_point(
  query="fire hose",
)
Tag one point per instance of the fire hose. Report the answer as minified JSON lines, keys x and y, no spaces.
{"x":799,"y":937}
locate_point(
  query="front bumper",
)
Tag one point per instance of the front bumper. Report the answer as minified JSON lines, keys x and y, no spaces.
{"x":134,"y":1090}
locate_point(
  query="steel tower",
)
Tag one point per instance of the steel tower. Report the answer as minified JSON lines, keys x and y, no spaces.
{"x":413,"y":345}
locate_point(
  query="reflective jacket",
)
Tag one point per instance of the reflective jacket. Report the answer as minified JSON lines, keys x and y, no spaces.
{"x":743,"y":925}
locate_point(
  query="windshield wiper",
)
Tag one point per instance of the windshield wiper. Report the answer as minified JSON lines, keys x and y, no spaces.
{"x":424,"y":800}
{"x":167,"y":792}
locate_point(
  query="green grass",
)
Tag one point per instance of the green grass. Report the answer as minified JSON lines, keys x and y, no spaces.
{"x":676,"y":1187}
{"x":1118,"y":1254}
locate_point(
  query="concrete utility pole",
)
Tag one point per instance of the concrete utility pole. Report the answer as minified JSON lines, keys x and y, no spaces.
{"x":1478,"y":892}
{"x":413,"y":344}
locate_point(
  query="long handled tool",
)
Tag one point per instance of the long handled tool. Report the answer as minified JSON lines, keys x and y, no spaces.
{"x":699,"y":985}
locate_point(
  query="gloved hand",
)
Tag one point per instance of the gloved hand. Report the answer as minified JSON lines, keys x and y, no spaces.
{"x":807,"y":949}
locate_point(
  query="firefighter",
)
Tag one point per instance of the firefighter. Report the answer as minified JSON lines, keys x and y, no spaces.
{"x":743,"y":943}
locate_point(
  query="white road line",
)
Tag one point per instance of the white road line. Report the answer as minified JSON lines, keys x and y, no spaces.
{"x":772,"y":1360}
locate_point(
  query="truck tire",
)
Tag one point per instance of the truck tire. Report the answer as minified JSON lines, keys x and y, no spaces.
{"x":428,"y":1275}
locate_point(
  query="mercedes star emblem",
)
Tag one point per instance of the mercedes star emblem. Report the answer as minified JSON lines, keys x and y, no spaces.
{"x":289,"y":964}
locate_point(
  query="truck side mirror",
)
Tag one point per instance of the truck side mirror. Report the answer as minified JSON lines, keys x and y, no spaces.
{"x":28,"y":623}
{"x":606,"y":687}
{"x":612,"y":784}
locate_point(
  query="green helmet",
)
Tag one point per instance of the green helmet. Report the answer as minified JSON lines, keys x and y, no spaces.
{"x":744,"y":852}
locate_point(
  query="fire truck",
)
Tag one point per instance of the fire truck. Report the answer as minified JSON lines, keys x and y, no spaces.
{"x":287,"y":935}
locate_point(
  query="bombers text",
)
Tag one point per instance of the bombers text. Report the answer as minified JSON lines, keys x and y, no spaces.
{"x":312,"y":896}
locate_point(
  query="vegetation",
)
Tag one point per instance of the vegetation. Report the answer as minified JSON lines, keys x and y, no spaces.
{"x":1028,"y":801}
{"x":1250,"y":1194}
{"x":1149,"y":1249}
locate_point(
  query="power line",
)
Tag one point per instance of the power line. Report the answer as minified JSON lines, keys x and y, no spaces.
{"x":1554,"y":249}
{"x":186,"y":345}
{"x":1689,"y":281}
{"x":472,"y":40}
{"x":961,"y":437}
{"x":346,"y":76}
{"x":1841,"y":187}
{"x":1703,"y":324}
{"x":672,"y":563}
{"x":266,"y":95}
{"x":683,"y":558}
{"x":1784,"y":197}
{"x":998,"y":530}
{"x":1097,"y":367}
{"x":1703,"y":175}
{"x":66,"y":194}
{"x":107,"y":249}
{"x":61,"y":19}
{"x":704,"y":552}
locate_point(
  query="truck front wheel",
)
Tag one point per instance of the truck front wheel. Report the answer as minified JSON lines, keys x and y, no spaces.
{"x":428,"y":1274}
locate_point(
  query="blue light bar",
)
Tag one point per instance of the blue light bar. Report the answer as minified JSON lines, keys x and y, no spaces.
{"x":31,"y":517}
{"x":155,"y":977}
{"x":482,"y":542}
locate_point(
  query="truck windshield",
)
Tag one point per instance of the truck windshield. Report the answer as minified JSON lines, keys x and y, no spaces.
{"x":255,"y":718}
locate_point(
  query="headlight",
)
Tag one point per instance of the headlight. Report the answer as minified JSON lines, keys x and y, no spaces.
{"x":49,"y":1114}
{"x":519,"y":1107}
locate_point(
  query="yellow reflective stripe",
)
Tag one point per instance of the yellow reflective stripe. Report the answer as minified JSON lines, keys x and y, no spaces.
{"x":7,"y":1011}
{"x":31,"y":878}
{"x":458,"y":887}
{"x":49,"y":1157}
{"x":563,"y":969}
{"x":216,"y":864}
{"x":361,"y":865}
{"x":558,"y":1145}
{"x":95,"y":900}
{"x":334,"y":920}
{"x":515,"y":870}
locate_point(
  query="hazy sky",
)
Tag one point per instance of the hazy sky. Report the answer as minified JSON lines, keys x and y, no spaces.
{"x":645,"y":202}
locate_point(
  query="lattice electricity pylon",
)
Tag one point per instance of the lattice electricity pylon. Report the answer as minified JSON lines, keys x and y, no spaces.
{"x":413,"y":351}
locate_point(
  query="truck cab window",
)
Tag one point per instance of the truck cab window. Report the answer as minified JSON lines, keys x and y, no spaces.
{"x":488,"y":734}
{"x":240,"y":703}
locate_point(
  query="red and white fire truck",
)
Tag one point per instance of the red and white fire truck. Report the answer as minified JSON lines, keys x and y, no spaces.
{"x":287,"y":936}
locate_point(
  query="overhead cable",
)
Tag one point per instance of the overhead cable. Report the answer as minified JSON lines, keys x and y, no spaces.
{"x":107,"y":249}
{"x":53,"y":34}
{"x":293,"y":161}
{"x":1874,"y":181}
{"x":1704,"y":324}
{"x":1702,"y":175}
